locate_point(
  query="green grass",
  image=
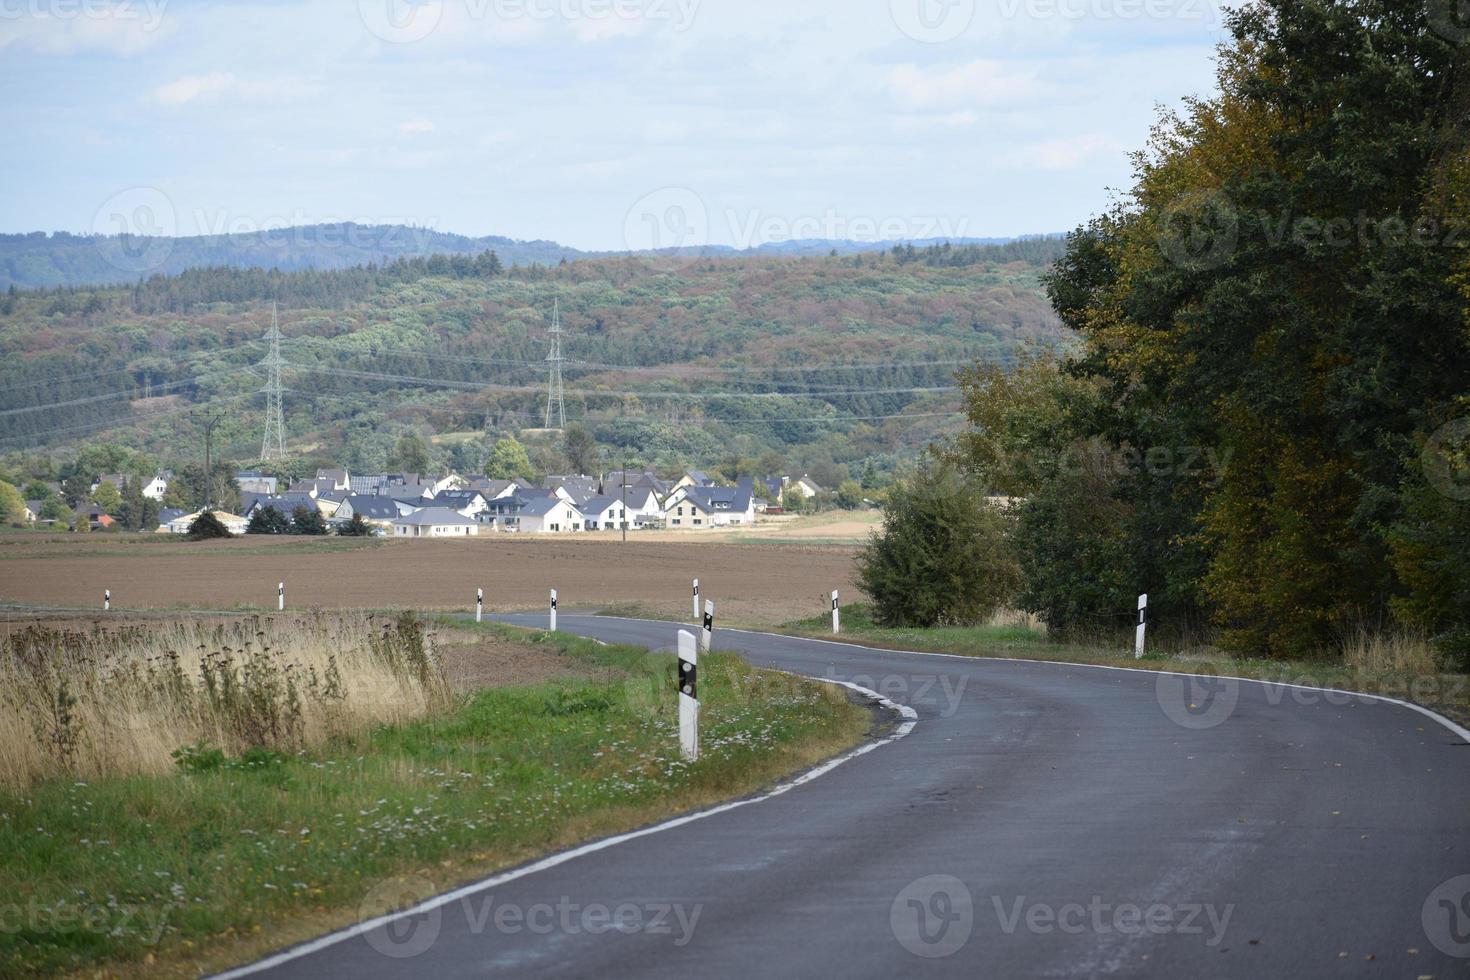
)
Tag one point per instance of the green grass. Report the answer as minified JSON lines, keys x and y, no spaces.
{"x":1444,"y":691}
{"x":147,"y":873}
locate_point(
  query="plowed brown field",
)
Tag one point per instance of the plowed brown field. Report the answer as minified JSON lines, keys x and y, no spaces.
{"x":752,"y":583}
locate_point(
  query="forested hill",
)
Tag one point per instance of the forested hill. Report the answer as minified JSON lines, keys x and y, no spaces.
{"x":39,"y":260}
{"x":670,"y":359}
{"x":62,"y":259}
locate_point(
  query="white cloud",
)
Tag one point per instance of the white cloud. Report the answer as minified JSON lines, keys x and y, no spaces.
{"x":190,"y":88}
{"x":115,"y":29}
{"x":1068,"y":154}
{"x":983,"y":82}
{"x":411,"y":127}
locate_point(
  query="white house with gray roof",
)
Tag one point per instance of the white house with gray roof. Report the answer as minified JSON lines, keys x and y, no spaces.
{"x":549,"y":515}
{"x":435,"y":522}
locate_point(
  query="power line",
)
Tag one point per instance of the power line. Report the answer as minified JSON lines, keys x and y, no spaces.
{"x":414,"y":379}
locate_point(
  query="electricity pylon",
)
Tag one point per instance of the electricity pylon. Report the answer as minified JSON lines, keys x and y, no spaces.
{"x":273,"y":446}
{"x":556,"y":407}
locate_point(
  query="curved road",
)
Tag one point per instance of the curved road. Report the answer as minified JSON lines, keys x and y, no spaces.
{"x":1040,"y":820}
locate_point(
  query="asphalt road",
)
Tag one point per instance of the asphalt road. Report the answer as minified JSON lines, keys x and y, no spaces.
{"x":1040,"y":820}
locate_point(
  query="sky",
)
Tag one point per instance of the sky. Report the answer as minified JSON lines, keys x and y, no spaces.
{"x":600,"y":124}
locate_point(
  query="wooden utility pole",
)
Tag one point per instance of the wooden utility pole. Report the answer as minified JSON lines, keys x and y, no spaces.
{"x":210,"y":422}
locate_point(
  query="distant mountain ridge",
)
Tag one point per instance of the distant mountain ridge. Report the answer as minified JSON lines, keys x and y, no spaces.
{"x":44,"y":260}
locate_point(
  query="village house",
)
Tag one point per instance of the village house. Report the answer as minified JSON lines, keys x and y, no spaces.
{"x":705,"y":507}
{"x":435,"y":522}
{"x":339,"y":479}
{"x":803,"y":484}
{"x":640,"y":509}
{"x":380,"y":512}
{"x":233,"y":523}
{"x":467,"y":503}
{"x":497,"y":489}
{"x":606,"y":513}
{"x":256,"y":482}
{"x":548,"y":515}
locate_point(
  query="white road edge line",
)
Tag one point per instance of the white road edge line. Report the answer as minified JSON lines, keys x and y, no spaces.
{"x":1459,"y":730}
{"x":910,"y":716}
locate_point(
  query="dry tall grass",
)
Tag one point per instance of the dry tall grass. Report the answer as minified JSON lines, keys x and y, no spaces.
{"x":1376,"y":652}
{"x":96,"y":702}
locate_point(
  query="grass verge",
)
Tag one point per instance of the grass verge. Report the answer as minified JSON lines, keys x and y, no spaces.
{"x":1397,"y":667}
{"x":231,"y":856}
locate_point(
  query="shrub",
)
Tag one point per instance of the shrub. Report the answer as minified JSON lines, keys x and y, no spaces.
{"x":942,"y":557}
{"x":268,"y":520}
{"x":308,"y":520}
{"x":356,"y":528}
{"x":206,"y":527}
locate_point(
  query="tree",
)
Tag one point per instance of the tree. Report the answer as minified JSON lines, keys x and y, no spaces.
{"x":36,"y":490}
{"x":509,"y":461}
{"x":411,"y":454}
{"x":308,"y":520}
{"x":770,"y":463}
{"x":55,"y":509}
{"x":137,"y":512}
{"x":107,"y":497}
{"x":356,"y":528}
{"x":206,"y":527}
{"x":75,"y":488}
{"x":186,"y":490}
{"x":580,"y":449}
{"x":849,"y":495}
{"x":1251,"y":298}
{"x":268,"y":520}
{"x":12,"y":505}
{"x":942,"y":556}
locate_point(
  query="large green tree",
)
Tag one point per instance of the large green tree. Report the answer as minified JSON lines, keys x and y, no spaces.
{"x":509,"y":461}
{"x":1282,"y":290}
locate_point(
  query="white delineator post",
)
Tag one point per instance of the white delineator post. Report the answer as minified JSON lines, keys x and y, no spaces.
{"x":479,"y":605}
{"x":688,"y":696}
{"x":1141,"y":627}
{"x":553,"y":610}
{"x":707,"y":634}
{"x":836,"y":616}
{"x":106,"y":599}
{"x":280,"y":597}
{"x":696,"y":600}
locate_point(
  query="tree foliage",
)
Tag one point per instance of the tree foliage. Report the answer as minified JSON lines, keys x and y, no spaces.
{"x":509,"y":461}
{"x":308,"y":520}
{"x":1282,"y":298}
{"x":268,"y":520}
{"x":942,"y":557}
{"x":206,"y":527}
